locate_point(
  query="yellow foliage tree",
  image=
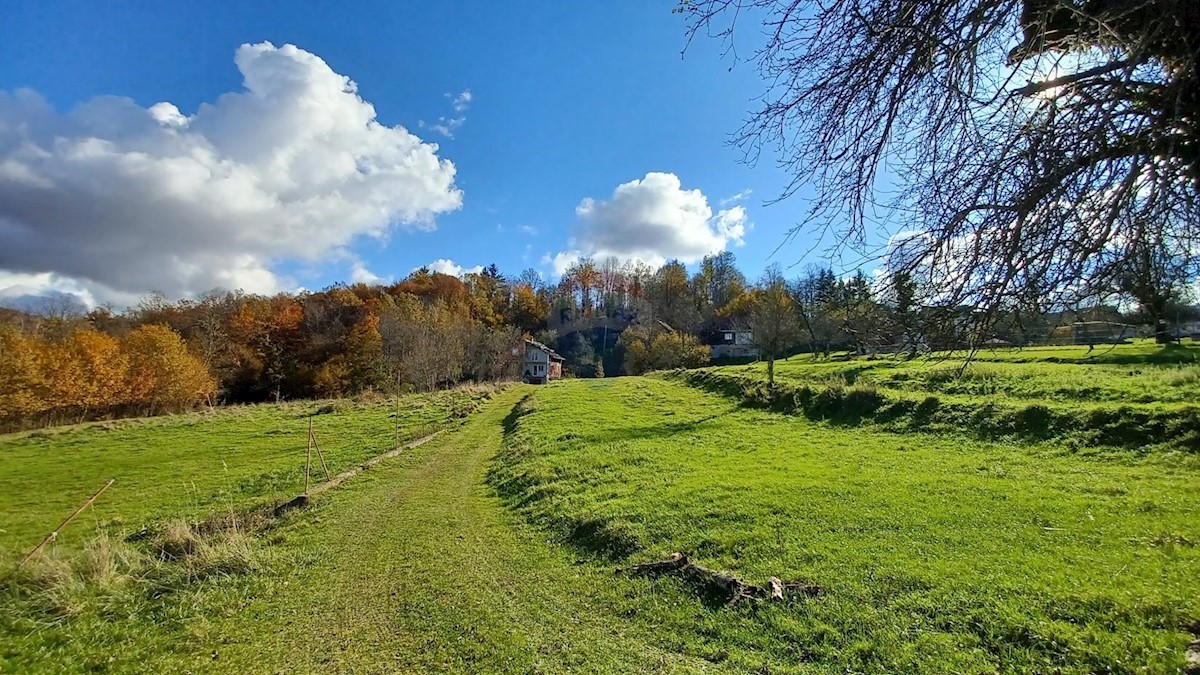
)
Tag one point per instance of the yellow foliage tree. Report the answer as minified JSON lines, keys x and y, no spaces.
{"x":84,"y":372}
{"x":674,"y":349}
{"x":163,"y":374}
{"x":333,"y":378}
{"x":669,"y":349}
{"x":22,"y":388}
{"x":105,"y":368}
{"x":364,"y":351}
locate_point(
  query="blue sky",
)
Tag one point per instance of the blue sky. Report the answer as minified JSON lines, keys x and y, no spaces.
{"x":567,"y":101}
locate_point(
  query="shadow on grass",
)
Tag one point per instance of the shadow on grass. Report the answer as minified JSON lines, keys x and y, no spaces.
{"x":1121,"y":427}
{"x":521,"y":489}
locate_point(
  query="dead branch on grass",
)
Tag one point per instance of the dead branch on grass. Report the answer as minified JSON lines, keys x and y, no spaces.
{"x":734,"y":589}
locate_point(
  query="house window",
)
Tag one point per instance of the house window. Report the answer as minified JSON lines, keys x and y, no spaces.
{"x":729,"y":336}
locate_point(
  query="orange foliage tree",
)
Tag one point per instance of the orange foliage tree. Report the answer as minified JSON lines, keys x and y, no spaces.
{"x":22,"y":388}
{"x":163,"y":374}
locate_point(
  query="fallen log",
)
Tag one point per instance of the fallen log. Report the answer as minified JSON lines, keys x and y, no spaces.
{"x":295,"y":503}
{"x":719,"y":583}
{"x":675,"y":562}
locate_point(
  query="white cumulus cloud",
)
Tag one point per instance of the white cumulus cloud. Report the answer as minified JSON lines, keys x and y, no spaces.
{"x":120,"y":199}
{"x":447,"y":266}
{"x":361,"y":274}
{"x":23,"y":290}
{"x":652,"y":219}
{"x":561,"y":261}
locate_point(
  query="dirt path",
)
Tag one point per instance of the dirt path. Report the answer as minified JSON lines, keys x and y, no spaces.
{"x":415,"y":567}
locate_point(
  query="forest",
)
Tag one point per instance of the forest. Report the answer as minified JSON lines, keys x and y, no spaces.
{"x":434,"y":330}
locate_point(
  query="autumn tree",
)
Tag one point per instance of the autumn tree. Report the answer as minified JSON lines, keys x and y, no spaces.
{"x":22,"y":386}
{"x":669,"y":296}
{"x":647,"y":350}
{"x":490,"y":353}
{"x":529,"y":308}
{"x":490,"y":294}
{"x":162,"y":373}
{"x":717,"y":283}
{"x":773,"y":319}
{"x":86,"y":372}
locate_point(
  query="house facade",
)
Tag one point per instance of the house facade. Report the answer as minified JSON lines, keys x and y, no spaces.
{"x":542,"y":363}
{"x":732,"y":343}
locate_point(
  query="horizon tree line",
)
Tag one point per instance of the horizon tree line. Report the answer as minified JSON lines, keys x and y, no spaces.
{"x":433,"y":330}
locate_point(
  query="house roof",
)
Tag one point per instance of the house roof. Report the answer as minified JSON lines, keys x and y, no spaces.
{"x":553,"y":354}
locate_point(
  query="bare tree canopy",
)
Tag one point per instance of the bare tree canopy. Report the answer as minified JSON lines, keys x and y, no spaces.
{"x":1040,"y":148}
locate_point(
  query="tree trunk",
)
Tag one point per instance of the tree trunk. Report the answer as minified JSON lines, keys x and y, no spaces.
{"x":1161,"y":336}
{"x":771,"y":370}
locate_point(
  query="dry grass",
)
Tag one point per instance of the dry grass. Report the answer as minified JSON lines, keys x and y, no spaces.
{"x":58,"y":583}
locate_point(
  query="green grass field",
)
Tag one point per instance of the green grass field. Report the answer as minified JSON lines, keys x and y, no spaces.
{"x":1138,"y":396}
{"x":503,"y":545}
{"x":188,"y":466}
{"x":939,"y":553}
{"x":1140,"y":373}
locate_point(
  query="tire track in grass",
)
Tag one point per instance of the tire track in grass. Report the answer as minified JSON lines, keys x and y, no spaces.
{"x":417,"y":567}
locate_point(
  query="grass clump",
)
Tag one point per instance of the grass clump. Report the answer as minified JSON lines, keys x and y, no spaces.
{"x":65,"y":583}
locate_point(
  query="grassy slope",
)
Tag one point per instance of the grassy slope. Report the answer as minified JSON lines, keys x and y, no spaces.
{"x":1128,"y":374}
{"x":419,"y":568}
{"x":936,"y":552}
{"x":187,"y":466}
{"x":939,"y":553}
{"x":414,"y":566}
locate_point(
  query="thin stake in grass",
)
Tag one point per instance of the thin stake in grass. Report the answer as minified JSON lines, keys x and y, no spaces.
{"x":308,"y":460}
{"x":312,"y":442}
{"x":74,"y":514}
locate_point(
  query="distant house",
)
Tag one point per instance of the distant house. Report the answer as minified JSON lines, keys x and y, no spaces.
{"x":1100,"y":332}
{"x":542,"y":363}
{"x":1187,"y":329}
{"x":732,"y":342}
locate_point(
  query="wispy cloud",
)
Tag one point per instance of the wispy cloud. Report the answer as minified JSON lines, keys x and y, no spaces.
{"x":446,"y":125}
{"x":462,"y":101}
{"x":734,"y":199}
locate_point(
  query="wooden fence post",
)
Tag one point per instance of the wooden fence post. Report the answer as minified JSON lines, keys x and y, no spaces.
{"x":312,"y":438}
{"x":308,"y":461}
{"x":54,"y":535}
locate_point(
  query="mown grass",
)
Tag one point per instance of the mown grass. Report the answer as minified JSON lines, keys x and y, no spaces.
{"x":414,"y":567}
{"x":937,"y":552}
{"x":191,"y":466}
{"x":167,"y":549}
